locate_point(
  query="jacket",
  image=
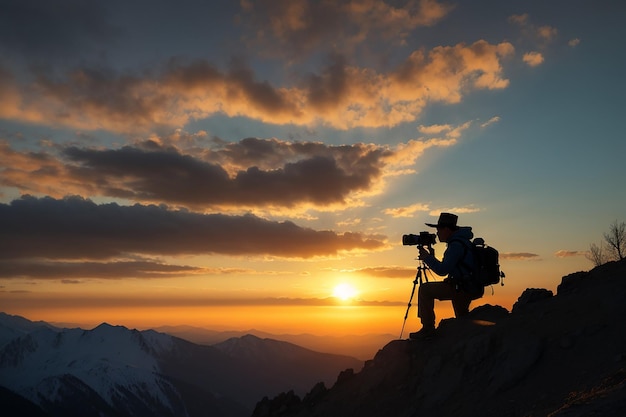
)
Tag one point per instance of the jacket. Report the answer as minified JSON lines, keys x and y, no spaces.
{"x":457,"y":261}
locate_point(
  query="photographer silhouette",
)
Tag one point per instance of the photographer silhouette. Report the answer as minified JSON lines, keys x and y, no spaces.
{"x":461,"y":292}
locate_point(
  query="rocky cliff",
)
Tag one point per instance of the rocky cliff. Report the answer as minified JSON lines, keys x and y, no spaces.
{"x":553,"y":355}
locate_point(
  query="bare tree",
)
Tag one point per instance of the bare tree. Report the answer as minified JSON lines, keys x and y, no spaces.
{"x":616,"y":240}
{"x":597,"y":254}
{"x":612,"y":249}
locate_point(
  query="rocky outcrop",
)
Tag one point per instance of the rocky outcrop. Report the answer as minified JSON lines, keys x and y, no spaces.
{"x":553,"y":355}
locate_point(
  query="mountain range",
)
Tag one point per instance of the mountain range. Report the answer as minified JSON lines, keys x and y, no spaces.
{"x":116,"y":371}
{"x":363,"y":347}
{"x":552,"y":355}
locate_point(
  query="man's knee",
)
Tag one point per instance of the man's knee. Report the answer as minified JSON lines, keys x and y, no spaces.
{"x":437,"y":290}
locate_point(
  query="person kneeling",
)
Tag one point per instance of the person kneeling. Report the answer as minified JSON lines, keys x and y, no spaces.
{"x":456,"y":263}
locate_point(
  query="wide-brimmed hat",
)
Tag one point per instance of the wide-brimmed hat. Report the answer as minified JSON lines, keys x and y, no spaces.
{"x":445,"y":220}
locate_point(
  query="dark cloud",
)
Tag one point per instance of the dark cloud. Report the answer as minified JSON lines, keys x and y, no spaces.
{"x":116,"y":98}
{"x":260,"y":93}
{"x":238,"y":82}
{"x":329,"y":88}
{"x":103,"y":270}
{"x":65,"y":301}
{"x":76,"y":228}
{"x":270,"y":154}
{"x":298,"y":27}
{"x":252,"y":173}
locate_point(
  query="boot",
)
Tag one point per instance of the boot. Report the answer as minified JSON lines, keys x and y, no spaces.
{"x":426,"y":332}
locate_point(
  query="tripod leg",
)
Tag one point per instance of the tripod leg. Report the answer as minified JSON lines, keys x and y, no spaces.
{"x":418,"y":279}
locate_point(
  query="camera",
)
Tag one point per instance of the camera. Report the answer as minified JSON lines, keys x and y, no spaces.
{"x":423,"y":239}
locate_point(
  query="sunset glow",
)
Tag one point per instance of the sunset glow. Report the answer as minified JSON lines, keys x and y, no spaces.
{"x":243,"y":167}
{"x":344,"y":291}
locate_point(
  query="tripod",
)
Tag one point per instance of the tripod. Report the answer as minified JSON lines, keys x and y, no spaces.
{"x":419,"y":276}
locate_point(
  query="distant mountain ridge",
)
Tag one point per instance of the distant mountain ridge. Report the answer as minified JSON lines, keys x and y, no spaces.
{"x":360,"y":346}
{"x":15,"y":326}
{"x":363,"y":347}
{"x":115,"y":371}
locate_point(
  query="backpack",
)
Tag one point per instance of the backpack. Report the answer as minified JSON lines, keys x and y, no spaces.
{"x":486,"y":269}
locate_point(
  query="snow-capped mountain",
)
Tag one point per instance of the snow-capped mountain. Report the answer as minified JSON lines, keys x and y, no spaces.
{"x":116,"y":366}
{"x":115,"y":371}
{"x":15,"y":326}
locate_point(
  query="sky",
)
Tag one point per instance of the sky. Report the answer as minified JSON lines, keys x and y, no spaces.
{"x":254,"y":164}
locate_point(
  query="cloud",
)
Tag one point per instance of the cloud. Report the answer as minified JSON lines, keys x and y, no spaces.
{"x":387,"y":271}
{"x":408,"y":211}
{"x":456,"y":210}
{"x":491,"y":121}
{"x":299,"y":27}
{"x":519,"y":256}
{"x":201,"y":300}
{"x":37,"y":268}
{"x":519,"y":19}
{"x":533,"y":59}
{"x":405,"y":154}
{"x":339,"y":94}
{"x":547,"y":32}
{"x":447,"y":130}
{"x":570,"y":253}
{"x":542,"y":34}
{"x":574,"y":42}
{"x":444,"y":73}
{"x":434,"y":129}
{"x":251,"y":173}
{"x":76,"y":228}
{"x":73,"y":272}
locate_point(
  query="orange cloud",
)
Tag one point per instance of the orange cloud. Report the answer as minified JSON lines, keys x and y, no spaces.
{"x":519,"y":256}
{"x":445,"y":71}
{"x":457,"y":210}
{"x":570,"y":253}
{"x":406,"y":154}
{"x":388,"y":271}
{"x":340,"y":95}
{"x":408,"y":211}
{"x":491,"y":121}
{"x":533,"y":59}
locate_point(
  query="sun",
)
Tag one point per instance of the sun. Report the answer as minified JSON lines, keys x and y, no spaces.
{"x":344,"y":291}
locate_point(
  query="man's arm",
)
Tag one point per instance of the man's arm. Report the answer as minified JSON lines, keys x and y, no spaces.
{"x":451,"y":257}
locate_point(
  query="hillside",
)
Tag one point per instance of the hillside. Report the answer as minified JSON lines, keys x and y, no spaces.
{"x":557,"y":355}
